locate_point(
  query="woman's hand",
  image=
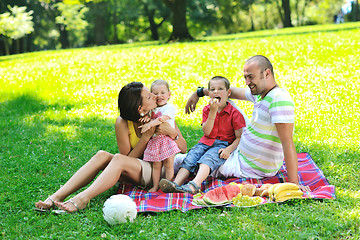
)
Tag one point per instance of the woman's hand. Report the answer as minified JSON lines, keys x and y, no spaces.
{"x":148,"y":134}
{"x":145,"y":119}
{"x":145,"y":127}
{"x":166,"y":129}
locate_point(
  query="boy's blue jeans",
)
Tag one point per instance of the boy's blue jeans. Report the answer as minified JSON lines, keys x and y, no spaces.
{"x":202,"y":153}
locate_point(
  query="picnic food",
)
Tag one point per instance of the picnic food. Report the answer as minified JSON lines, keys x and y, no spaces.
{"x":248,"y":189}
{"x":246,"y":201}
{"x":284,"y":191}
{"x":263,"y":190}
{"x":218,"y":196}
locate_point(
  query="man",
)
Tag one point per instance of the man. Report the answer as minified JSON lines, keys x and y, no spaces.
{"x":268,"y":139}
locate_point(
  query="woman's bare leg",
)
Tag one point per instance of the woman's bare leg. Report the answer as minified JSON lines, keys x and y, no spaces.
{"x":120,"y":165}
{"x":156,"y":173}
{"x":80,"y":179}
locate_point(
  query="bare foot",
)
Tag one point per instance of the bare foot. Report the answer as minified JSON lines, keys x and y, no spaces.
{"x":45,"y":205}
{"x":71,"y":205}
{"x":154,"y":189}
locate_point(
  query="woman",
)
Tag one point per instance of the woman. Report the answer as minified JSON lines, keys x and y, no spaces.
{"x":135,"y":100}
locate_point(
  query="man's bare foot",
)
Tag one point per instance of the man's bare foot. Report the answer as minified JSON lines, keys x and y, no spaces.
{"x":154,"y":189}
{"x":45,"y":205}
{"x":71,"y":205}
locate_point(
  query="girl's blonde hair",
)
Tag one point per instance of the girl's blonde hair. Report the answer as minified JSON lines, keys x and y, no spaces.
{"x":160,"y":82}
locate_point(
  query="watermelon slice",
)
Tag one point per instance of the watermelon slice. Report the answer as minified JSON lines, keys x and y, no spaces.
{"x":221,"y":195}
{"x":215,"y":197}
{"x":231,"y":191}
{"x":198,"y":199}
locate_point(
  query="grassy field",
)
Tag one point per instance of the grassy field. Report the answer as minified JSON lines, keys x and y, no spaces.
{"x":58,"y":108}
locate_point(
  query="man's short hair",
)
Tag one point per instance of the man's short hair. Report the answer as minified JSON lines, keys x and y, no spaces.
{"x":262,"y":61}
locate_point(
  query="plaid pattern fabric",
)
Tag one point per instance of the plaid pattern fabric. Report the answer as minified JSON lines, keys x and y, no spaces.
{"x":309,"y":174}
{"x":159,"y":148}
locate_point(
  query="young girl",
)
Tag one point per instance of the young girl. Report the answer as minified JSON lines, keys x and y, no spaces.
{"x":161,"y":149}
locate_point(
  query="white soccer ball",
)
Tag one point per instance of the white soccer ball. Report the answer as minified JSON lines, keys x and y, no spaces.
{"x":119,"y":208}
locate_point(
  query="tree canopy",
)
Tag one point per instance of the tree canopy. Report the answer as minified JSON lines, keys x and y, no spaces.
{"x":31,"y":25}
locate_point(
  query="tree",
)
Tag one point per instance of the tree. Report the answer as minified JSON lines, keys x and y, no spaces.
{"x":180,"y":30}
{"x":247,"y":5}
{"x":15,"y":25}
{"x":72,"y":17}
{"x":285,"y":12}
{"x":151,"y":7}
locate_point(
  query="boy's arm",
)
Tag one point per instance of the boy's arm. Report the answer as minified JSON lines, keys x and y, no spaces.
{"x":225,"y":152}
{"x":209,"y":123}
{"x":154,"y":123}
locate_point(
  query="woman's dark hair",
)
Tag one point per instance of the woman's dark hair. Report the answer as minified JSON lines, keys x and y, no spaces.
{"x":129,"y":101}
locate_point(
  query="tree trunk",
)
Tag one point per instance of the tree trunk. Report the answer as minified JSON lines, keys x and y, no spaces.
{"x":178,"y":20}
{"x":303,"y":12}
{"x":7,"y":47}
{"x":115,"y":38}
{"x":100,"y":24}
{"x":153,"y":27}
{"x":266,"y":16}
{"x":64,"y":38}
{"x":280,"y":12}
{"x":251,"y":18}
{"x":287,"y":13}
{"x":17,"y":46}
{"x":297,"y":12}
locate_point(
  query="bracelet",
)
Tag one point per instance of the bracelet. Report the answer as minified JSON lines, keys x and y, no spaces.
{"x":177,"y":137}
{"x":200,"y":92}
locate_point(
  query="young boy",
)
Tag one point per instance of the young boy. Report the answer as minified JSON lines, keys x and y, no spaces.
{"x":222,"y":125}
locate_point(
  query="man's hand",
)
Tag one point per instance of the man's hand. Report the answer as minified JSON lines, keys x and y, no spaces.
{"x":191,"y":103}
{"x":304,"y":188}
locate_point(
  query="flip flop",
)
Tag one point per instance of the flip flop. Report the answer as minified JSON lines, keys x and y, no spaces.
{"x":187,"y":189}
{"x":168,"y":186}
{"x":73,"y":203}
{"x":46,"y":209}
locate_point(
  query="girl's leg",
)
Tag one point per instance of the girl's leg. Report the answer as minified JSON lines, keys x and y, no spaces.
{"x":156,"y":172}
{"x":169,"y":167}
{"x":80,"y":179}
{"x":120,"y":165}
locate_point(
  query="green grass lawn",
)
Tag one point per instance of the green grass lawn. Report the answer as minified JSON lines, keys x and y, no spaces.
{"x":58,"y":108}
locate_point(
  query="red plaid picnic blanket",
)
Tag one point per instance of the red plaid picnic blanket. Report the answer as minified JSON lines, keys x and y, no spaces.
{"x":309,"y":174}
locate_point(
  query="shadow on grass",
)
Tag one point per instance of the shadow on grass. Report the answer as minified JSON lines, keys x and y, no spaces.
{"x":40,"y":144}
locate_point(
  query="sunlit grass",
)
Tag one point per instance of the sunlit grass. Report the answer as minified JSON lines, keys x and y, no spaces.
{"x":58,"y":108}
